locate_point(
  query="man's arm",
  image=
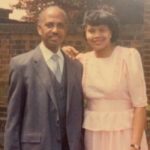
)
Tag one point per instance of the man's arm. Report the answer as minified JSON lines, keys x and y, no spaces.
{"x":16,"y":99}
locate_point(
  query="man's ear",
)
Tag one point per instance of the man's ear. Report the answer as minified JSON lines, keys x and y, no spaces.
{"x":39,"y":30}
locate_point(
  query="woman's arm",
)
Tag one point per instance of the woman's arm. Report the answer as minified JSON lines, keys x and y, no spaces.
{"x":139,"y":122}
{"x":137,"y":91}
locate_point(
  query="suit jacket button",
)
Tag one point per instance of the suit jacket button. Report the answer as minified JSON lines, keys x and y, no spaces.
{"x":58,"y":140}
{"x":57,"y":123}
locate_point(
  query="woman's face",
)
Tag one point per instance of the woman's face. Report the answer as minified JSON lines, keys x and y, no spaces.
{"x":98,"y":37}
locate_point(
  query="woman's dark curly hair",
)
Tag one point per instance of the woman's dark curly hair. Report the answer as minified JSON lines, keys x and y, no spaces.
{"x":102,"y":16}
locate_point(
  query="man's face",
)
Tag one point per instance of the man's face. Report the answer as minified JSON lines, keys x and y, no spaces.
{"x":52,"y":28}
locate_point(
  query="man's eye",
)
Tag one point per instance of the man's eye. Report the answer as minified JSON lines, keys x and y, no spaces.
{"x":60,"y":26}
{"x":50,"y":25}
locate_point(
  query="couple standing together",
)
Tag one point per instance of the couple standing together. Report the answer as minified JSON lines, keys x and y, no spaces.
{"x":48,"y":89}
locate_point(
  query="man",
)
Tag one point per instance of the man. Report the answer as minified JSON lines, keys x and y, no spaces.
{"x":45,"y":95}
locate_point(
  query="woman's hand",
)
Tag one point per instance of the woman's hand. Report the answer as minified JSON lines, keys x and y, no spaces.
{"x":132,"y":148}
{"x":70,"y":51}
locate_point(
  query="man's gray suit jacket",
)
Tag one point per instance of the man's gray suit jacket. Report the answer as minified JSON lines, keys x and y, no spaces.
{"x":32,"y":118}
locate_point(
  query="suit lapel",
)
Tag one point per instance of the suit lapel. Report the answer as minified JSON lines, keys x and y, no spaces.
{"x":70,"y":80}
{"x":43,"y":73}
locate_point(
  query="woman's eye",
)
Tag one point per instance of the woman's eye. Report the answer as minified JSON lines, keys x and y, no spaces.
{"x":102,"y":30}
{"x":91,"y":30}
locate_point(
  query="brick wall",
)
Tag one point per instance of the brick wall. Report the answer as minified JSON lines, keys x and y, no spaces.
{"x":11,"y":45}
{"x":146,"y":52}
{"x":146,"y":43}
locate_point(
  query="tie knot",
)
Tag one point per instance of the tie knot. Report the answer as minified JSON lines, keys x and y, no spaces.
{"x":55,"y":57}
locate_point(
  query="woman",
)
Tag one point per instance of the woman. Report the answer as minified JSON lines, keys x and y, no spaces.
{"x":114,"y":88}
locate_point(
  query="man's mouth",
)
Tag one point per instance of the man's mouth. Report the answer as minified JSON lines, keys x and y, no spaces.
{"x":54,"y":38}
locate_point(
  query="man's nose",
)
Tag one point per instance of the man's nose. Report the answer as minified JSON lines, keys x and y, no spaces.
{"x":55,"y":29}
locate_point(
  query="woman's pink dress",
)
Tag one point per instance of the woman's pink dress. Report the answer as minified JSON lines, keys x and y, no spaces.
{"x":112,"y":86}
